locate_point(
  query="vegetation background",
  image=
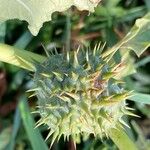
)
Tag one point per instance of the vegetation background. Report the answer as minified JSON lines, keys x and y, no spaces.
{"x":109,"y":23}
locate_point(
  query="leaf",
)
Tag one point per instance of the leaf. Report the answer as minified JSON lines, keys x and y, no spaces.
{"x":36,"y":12}
{"x":143,"y":62}
{"x":2,"y":32}
{"x":138,"y":38}
{"x":147,"y":2}
{"x":121,"y":139}
{"x":34,"y":135}
{"x":142,"y":142}
{"x":5,"y":137}
{"x":15,"y":129}
{"x":24,"y":40}
{"x":141,"y":98}
{"x":21,"y":58}
{"x":128,"y":63}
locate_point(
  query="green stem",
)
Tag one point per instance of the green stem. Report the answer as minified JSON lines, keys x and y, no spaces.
{"x":20,"y":58}
{"x":121,"y":139}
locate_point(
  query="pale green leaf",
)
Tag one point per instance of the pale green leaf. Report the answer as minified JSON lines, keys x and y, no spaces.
{"x":36,"y":12}
{"x":141,"y":98}
{"x":138,"y":38}
{"x":5,"y":137}
{"x":142,"y":142}
{"x":20,"y":58}
{"x":128,"y":63}
{"x":121,"y":139}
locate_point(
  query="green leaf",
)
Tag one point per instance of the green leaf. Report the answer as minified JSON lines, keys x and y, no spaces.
{"x":138,"y":38}
{"x":141,"y":98}
{"x":24,"y":40}
{"x":21,"y":58}
{"x":128,"y":62}
{"x":5,"y":137}
{"x":143,"y":62}
{"x":36,"y":12}
{"x":34,"y":135}
{"x":147,"y":2}
{"x":142,"y":143}
{"x":16,"y":126}
{"x":121,"y":139}
{"x":2,"y":32}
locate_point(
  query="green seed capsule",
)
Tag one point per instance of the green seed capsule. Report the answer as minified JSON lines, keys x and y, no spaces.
{"x":75,"y":100}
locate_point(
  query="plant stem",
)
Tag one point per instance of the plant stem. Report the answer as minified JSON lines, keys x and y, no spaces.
{"x":71,"y":145}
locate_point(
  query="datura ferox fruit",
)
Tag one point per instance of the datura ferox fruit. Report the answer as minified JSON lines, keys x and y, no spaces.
{"x":79,"y":94}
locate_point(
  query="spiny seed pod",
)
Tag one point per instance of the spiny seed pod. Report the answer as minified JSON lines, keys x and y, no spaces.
{"x":78,"y":94}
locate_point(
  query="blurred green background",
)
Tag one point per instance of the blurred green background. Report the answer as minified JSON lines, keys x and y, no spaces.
{"x":109,"y":23}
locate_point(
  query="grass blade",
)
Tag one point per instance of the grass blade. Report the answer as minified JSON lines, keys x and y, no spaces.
{"x":2,"y":32}
{"x":24,"y":40}
{"x":16,"y":125}
{"x":37,"y":142}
